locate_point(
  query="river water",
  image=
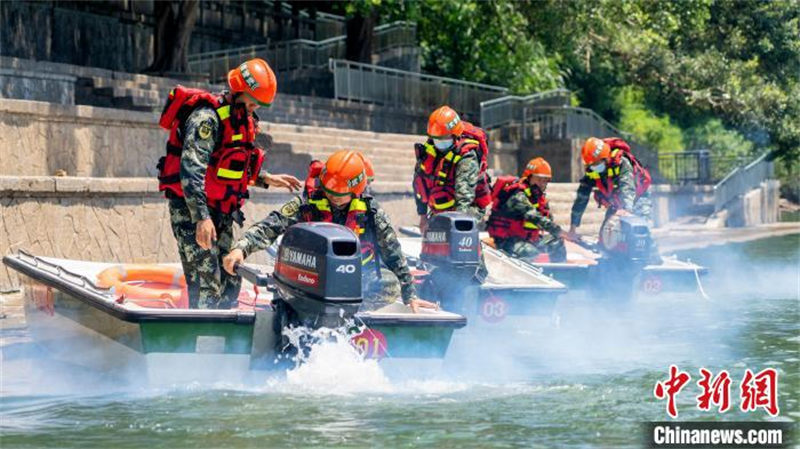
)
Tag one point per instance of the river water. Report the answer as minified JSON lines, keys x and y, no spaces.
{"x":584,"y":381}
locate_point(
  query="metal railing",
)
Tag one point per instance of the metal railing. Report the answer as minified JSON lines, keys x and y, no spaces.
{"x":541,"y":117}
{"x":509,"y":109}
{"x":696,"y":166}
{"x":685,"y":167}
{"x":741,"y":180}
{"x":552,"y":123}
{"x":366,"y":83}
{"x":299,"y":53}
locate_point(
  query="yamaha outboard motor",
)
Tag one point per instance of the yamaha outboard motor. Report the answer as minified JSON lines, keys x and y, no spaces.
{"x":318,"y":273}
{"x":451,"y":243}
{"x":626,"y":239}
{"x":451,"y":253}
{"x":626,"y":245}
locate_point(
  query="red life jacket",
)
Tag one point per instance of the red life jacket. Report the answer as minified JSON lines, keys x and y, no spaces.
{"x":434,"y":176}
{"x":312,"y":179}
{"x":358,"y":218}
{"x":606,"y":183}
{"x":502,"y":225}
{"x":235,"y":162}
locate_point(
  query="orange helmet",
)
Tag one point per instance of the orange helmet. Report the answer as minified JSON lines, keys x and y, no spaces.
{"x":255,"y":79}
{"x":445,"y":122}
{"x":344,"y":174}
{"x":594,"y":150}
{"x":538,"y":167}
{"x":368,"y":169}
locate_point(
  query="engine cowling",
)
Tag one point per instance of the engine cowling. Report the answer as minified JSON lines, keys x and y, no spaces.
{"x":451,"y":243}
{"x":318,"y":273}
{"x":626,"y":237}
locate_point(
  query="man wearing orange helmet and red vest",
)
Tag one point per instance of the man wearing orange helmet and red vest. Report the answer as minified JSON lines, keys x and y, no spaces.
{"x":520,"y":213}
{"x":339,"y":198}
{"x":619,"y":181}
{"x":211,"y":161}
{"x":315,"y":169}
{"x":450,"y":174}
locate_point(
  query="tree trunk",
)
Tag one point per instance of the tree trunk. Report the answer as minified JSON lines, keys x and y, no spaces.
{"x":358,"y":46}
{"x":175,"y":21}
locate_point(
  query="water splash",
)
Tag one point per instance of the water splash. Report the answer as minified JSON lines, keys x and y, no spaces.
{"x":326,"y":362}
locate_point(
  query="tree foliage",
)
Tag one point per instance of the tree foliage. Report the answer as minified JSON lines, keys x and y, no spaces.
{"x":733,"y":61}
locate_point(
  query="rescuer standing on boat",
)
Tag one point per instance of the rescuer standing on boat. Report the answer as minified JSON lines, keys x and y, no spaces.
{"x":620,"y":183}
{"x":339,"y":198}
{"x":520,"y":213}
{"x":211,"y":161}
{"x":450,"y":173}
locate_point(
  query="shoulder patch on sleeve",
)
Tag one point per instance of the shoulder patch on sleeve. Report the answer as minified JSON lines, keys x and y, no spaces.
{"x":290,"y":209}
{"x":204,"y":130}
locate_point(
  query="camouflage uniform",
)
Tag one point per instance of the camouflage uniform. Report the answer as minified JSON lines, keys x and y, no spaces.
{"x":210,"y":286}
{"x":466,"y":176}
{"x":262,"y":234}
{"x":519,"y":206}
{"x":625,"y":189}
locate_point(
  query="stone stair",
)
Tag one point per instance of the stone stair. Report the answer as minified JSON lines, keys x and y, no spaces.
{"x":561,"y":195}
{"x":294,"y":146}
{"x":392,"y":155}
{"x":127,"y":91}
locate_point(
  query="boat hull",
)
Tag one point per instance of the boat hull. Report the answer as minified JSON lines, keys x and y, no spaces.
{"x":78,"y":323}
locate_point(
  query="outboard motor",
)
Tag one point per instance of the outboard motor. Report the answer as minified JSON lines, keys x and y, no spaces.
{"x":625,"y":243}
{"x":626,"y":238}
{"x":318,"y":273}
{"x":451,"y":243}
{"x":451,"y":253}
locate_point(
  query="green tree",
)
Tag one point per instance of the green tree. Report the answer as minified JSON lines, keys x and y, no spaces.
{"x":483,"y":41}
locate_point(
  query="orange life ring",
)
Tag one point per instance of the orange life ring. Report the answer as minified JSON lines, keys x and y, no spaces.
{"x":155,"y":286}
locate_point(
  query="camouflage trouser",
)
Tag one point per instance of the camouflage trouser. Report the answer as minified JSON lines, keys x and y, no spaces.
{"x":528,"y":251}
{"x":379,"y":292}
{"x":642,"y":207}
{"x":210,"y":286}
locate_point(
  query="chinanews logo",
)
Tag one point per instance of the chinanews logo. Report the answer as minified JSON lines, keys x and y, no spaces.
{"x":756,"y":390}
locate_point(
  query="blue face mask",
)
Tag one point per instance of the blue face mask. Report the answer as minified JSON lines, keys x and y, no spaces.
{"x":442,"y":144}
{"x":599,"y":167}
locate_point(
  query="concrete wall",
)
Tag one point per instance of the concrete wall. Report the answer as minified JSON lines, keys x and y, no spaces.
{"x":29,"y":85}
{"x":756,"y":207}
{"x":563,"y":155}
{"x":38,"y":139}
{"x":116,"y":220}
{"x":671,"y":202}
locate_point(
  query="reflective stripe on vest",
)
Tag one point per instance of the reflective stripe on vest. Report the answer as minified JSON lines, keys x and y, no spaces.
{"x":321,"y":204}
{"x":224,"y":112}
{"x":357,"y":205}
{"x":229,"y":174}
